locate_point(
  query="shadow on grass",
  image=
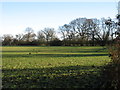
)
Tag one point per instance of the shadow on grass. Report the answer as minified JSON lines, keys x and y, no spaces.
{"x":52,"y":55}
{"x":62,"y":50}
{"x":94,"y":50}
{"x":54,"y":77}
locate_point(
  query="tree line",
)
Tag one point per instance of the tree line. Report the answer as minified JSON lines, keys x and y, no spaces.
{"x":79,"y":32}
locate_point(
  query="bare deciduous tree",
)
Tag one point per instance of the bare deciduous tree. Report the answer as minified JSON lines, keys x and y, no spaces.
{"x":30,"y":35}
{"x":7,"y":39}
{"x":40,"y":36}
{"x":49,"y":34}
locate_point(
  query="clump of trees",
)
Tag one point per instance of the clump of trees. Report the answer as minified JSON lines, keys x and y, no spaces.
{"x":43,"y":37}
{"x":79,"y":32}
{"x":92,"y":32}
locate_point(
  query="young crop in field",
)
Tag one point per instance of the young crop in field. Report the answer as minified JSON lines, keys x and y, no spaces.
{"x":53,"y":67}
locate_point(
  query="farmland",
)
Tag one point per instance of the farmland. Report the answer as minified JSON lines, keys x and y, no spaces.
{"x":52,"y":67}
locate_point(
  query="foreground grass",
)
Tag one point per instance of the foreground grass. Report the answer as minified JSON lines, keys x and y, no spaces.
{"x":53,"y":67}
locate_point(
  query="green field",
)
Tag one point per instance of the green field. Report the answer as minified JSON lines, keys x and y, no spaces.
{"x":53,"y":67}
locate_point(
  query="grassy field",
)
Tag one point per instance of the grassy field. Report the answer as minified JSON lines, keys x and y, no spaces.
{"x":53,"y":67}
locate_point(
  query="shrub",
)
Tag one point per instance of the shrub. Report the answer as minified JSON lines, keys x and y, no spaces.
{"x":56,"y":42}
{"x":112,"y":71}
{"x":115,"y":51}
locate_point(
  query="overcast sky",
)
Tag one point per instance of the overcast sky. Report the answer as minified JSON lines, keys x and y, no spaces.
{"x":16,"y":16}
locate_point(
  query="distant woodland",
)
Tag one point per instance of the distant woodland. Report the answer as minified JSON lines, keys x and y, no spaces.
{"x":79,"y":32}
